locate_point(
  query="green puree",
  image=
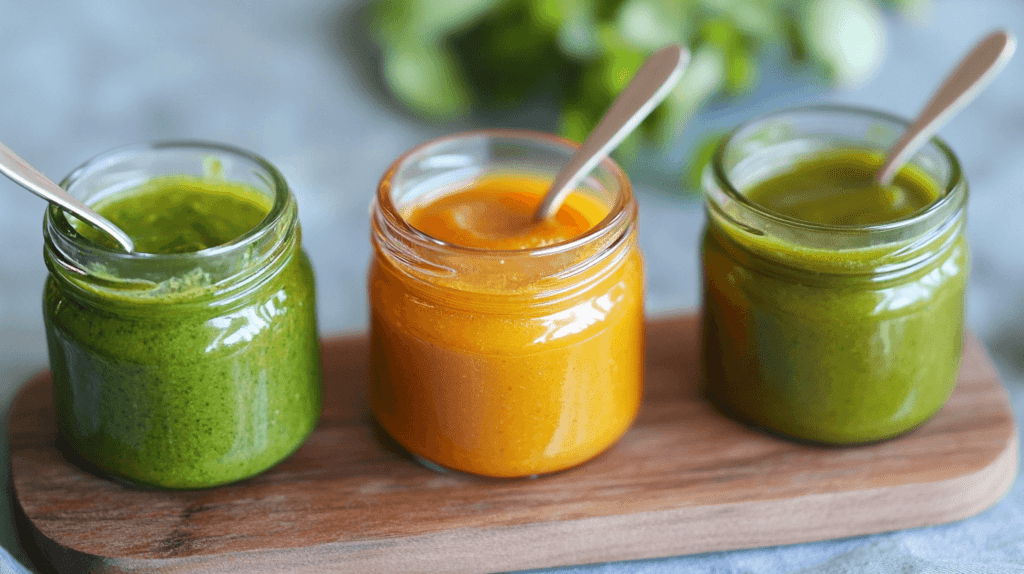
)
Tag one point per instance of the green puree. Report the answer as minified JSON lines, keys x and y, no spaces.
{"x":196,"y":384}
{"x":839,"y":189}
{"x":181,"y":214}
{"x":828,"y":343}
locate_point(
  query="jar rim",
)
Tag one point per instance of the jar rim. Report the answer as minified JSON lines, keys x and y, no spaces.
{"x":952,"y":190}
{"x":55,"y":223}
{"x":623,"y":196}
{"x":95,"y":270}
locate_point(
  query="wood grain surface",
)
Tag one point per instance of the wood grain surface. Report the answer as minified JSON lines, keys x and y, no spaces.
{"x":683,"y":480}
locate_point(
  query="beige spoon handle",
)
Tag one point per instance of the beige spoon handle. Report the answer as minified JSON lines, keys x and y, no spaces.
{"x":22,"y":173}
{"x":973,"y":73}
{"x":649,"y":86}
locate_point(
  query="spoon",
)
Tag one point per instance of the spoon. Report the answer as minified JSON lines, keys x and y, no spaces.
{"x":649,"y":86}
{"x":962,"y":85}
{"x":20,"y":172}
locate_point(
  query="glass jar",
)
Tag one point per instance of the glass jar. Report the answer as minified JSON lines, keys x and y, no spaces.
{"x":504,"y":363}
{"x":182,"y":370}
{"x":835,"y":334}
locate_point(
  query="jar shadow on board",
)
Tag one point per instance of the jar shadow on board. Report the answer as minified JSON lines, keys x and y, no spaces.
{"x":504,"y":362}
{"x":831,"y":333}
{"x":194,"y":361}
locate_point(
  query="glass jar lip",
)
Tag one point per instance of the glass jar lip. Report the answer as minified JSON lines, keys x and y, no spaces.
{"x":282,"y":194}
{"x":620,"y":209}
{"x":950,"y":187}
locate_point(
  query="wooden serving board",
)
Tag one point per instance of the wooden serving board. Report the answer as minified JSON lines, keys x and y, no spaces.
{"x":683,"y":480}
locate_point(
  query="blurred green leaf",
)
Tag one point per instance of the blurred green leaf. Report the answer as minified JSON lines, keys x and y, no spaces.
{"x":847,"y":38}
{"x":741,"y":71}
{"x":574,"y":122}
{"x":427,"y":80}
{"x":618,"y":67}
{"x":753,"y":18}
{"x":700,"y":81}
{"x":577,"y":31}
{"x":699,"y":160}
{"x":442,"y":57}
{"x":507,"y":54}
{"x":425,"y":21}
{"x":548,"y":15}
{"x":650,"y":24}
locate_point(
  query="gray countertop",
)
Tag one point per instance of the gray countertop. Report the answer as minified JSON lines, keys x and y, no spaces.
{"x":293,"y":82}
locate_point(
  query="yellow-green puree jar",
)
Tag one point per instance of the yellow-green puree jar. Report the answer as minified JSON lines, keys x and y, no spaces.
{"x":833,"y":309}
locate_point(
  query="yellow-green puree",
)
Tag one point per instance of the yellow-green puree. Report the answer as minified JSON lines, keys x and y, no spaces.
{"x":839,"y":189}
{"x":813,"y":338}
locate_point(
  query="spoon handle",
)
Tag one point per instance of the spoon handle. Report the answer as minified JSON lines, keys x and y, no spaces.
{"x":962,"y":85}
{"x":649,"y":86}
{"x":23,"y":174}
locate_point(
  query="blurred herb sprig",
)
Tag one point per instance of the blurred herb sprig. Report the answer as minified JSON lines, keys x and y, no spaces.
{"x":443,"y":57}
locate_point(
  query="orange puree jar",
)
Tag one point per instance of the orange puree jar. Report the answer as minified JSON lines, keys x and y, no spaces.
{"x":498,"y":347}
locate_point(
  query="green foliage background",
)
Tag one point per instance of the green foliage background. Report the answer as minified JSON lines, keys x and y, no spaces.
{"x":443,"y":57}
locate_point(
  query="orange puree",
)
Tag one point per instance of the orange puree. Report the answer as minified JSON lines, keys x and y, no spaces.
{"x":499,"y":362}
{"x":497,"y":213}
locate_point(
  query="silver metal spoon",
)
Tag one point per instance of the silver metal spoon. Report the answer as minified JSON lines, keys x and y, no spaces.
{"x":649,"y":86}
{"x":23,"y":174}
{"x":962,"y":85}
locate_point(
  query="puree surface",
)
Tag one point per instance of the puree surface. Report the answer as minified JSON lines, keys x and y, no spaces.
{"x":839,"y":189}
{"x":525,"y":378}
{"x":817,"y":342}
{"x":181,"y":214}
{"x":186,"y":387}
{"x":497,"y":213}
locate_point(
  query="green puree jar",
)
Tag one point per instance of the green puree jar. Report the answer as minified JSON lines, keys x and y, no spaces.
{"x":836,"y":319}
{"x":194,"y":361}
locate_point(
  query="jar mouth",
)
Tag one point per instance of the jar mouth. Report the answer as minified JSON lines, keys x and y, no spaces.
{"x":953,"y":190}
{"x":57,"y":224}
{"x":231,"y":265}
{"x":618,"y":211}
